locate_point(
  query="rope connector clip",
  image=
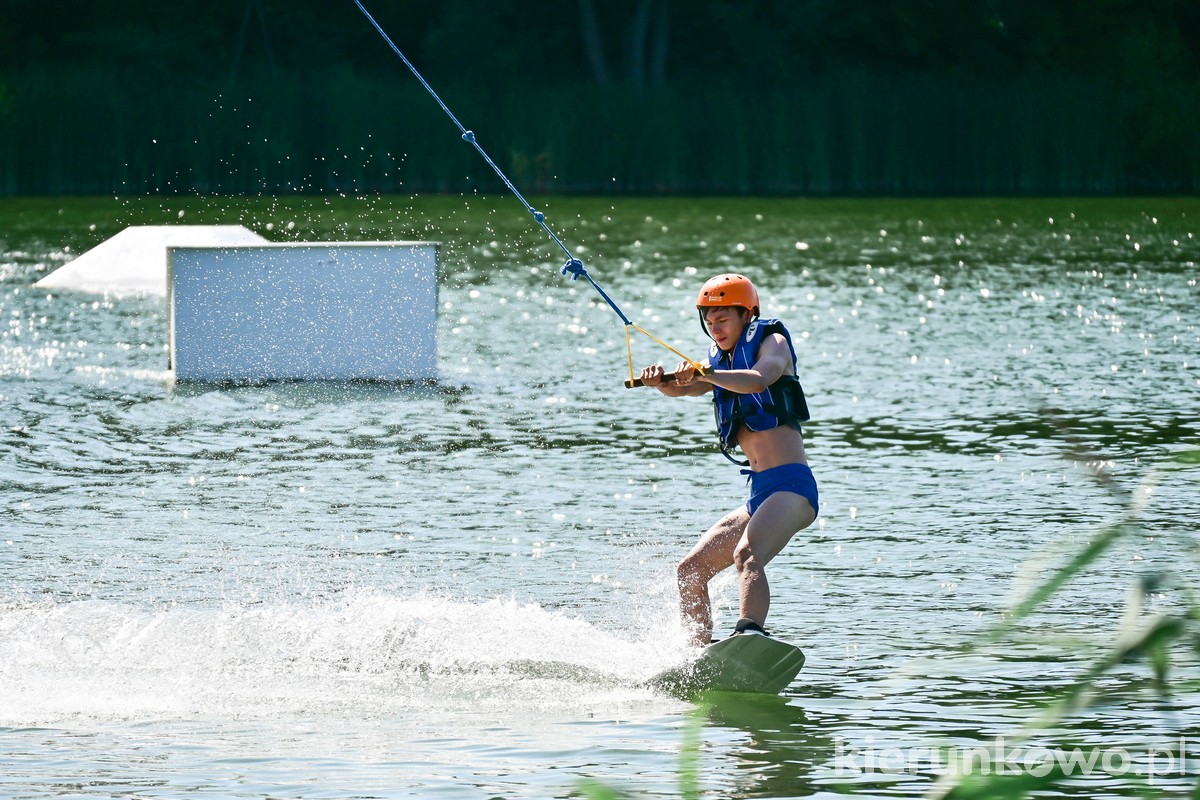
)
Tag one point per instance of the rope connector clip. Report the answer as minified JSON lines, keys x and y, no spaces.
{"x":469,"y":136}
{"x":575,"y":267}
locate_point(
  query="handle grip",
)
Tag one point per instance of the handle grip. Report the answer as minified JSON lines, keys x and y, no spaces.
{"x":670,"y":376}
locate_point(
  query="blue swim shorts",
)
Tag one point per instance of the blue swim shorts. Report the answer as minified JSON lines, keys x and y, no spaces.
{"x":795,"y":478}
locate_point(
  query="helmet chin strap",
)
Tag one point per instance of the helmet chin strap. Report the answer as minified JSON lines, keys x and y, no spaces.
{"x":704,"y":325}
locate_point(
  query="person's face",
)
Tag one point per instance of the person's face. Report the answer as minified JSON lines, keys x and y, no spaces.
{"x":725,"y":324}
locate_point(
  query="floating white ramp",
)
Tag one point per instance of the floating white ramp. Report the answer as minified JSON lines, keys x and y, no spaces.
{"x":242,"y":309}
{"x":315,"y":311}
{"x":135,"y":260}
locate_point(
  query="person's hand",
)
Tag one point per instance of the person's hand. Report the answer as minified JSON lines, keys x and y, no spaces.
{"x":685,"y":374}
{"x":652,"y":375}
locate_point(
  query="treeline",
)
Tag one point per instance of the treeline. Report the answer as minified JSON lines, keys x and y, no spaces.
{"x":812,"y":97}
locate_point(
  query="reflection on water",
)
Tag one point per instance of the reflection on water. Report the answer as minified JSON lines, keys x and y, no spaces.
{"x":455,"y":588}
{"x":779,"y":747}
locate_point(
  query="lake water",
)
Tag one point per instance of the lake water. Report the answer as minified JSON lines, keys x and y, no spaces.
{"x":326,"y":590}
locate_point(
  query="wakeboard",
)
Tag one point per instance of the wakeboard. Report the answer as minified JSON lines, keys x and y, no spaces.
{"x":744,"y":662}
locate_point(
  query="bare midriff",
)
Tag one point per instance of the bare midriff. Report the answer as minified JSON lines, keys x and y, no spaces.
{"x":772,"y":448}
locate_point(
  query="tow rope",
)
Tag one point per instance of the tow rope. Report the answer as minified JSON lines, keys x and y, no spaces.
{"x":574,"y":266}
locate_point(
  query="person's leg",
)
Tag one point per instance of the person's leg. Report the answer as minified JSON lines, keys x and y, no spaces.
{"x":713,"y":553}
{"x":773,"y":525}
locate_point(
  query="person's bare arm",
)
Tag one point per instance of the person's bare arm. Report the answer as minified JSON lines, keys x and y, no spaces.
{"x":774,"y":361}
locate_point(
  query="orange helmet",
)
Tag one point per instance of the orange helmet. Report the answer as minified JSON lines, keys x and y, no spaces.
{"x":728,"y":290}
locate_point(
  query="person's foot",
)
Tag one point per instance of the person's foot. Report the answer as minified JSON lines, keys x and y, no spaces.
{"x":747,"y":625}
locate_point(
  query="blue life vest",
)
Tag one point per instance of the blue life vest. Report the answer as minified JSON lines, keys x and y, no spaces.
{"x":782,"y":403}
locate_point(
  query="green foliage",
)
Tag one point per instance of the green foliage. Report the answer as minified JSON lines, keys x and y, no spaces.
{"x":595,"y":790}
{"x":1009,"y":97}
{"x":842,"y":133}
{"x":1187,"y":457}
{"x":765,"y":42}
{"x":1151,"y":639}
